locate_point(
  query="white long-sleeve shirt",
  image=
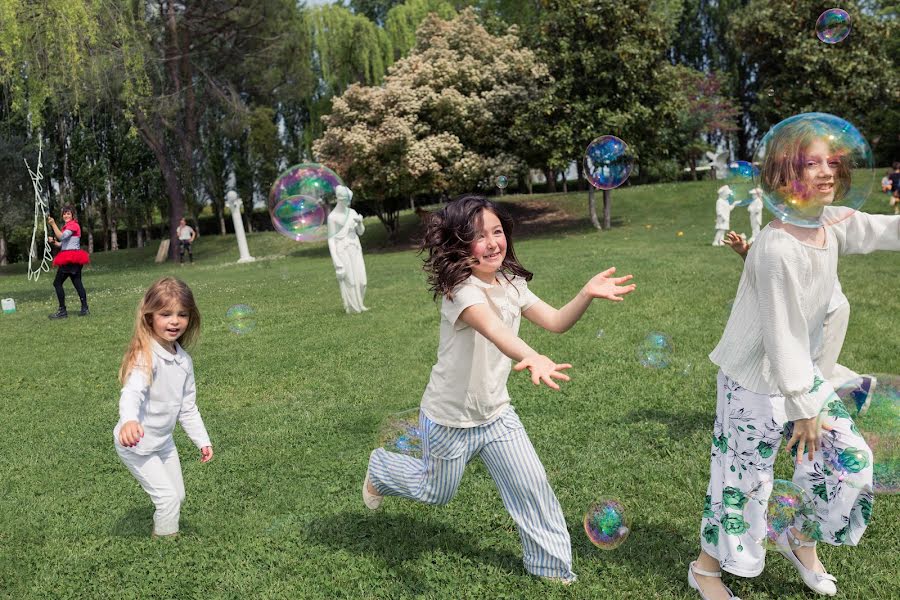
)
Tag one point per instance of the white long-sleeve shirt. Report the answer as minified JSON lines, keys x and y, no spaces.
{"x":775,"y":325}
{"x":171,"y":397}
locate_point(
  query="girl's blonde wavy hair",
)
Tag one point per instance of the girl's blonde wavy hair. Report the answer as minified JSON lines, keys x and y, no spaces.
{"x":170,"y":293}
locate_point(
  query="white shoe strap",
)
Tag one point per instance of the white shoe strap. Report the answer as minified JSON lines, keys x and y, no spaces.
{"x":698,"y":571}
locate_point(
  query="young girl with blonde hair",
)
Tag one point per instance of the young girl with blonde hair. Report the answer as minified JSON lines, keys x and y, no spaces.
{"x":159,"y":389}
{"x":769,"y":386}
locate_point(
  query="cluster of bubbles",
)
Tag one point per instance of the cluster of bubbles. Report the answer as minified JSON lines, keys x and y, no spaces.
{"x":740,"y":179}
{"x":608,"y":162}
{"x":873,"y":402}
{"x":240,"y":319}
{"x":298,"y":201}
{"x":655,"y":350}
{"x":400,"y":433}
{"x":833,"y":26}
{"x":814,"y":169}
{"x":607,"y":523}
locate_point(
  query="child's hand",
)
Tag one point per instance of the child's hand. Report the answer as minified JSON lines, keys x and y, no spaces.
{"x":737,"y":243}
{"x":206,"y":454}
{"x":604,"y":286}
{"x":130,"y":434}
{"x":543,"y":369}
{"x":805,"y":438}
{"x":51,"y":220}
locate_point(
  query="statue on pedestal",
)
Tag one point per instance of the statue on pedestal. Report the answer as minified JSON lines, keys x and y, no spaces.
{"x":345,"y":225}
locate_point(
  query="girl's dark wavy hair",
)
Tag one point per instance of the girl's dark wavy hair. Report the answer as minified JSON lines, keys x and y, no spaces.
{"x":449,"y":235}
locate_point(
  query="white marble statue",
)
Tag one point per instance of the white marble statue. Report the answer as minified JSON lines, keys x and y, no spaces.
{"x":723,"y":214}
{"x":718,"y":162}
{"x":755,"y":209}
{"x":345,"y":225}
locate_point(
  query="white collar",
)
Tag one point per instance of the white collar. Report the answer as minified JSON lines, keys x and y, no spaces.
{"x":179,"y":357}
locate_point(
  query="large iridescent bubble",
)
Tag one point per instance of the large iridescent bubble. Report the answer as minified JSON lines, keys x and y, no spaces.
{"x":786,"y":506}
{"x":400,"y":433}
{"x":833,"y":26}
{"x":607,"y":524}
{"x":299,"y":198}
{"x":815,"y":169}
{"x":608,"y":162}
{"x":740,"y":180}
{"x":873,"y":402}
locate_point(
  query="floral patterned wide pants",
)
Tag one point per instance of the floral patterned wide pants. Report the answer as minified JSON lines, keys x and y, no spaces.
{"x":747,"y":433}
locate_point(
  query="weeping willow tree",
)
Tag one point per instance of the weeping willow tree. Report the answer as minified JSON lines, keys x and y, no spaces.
{"x":403,"y":20}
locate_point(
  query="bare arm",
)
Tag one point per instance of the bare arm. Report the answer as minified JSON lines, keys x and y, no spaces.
{"x":602,"y":285}
{"x":483,"y":320}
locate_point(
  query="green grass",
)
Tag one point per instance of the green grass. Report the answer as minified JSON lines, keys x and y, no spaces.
{"x":294,"y":406}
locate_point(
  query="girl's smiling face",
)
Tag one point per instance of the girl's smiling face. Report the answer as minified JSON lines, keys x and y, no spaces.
{"x":489,"y":247}
{"x":169,"y":323}
{"x":819,"y":169}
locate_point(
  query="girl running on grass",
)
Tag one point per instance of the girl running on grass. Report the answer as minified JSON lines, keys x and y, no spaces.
{"x":769,"y":386}
{"x":466,"y":410}
{"x":158,"y":378}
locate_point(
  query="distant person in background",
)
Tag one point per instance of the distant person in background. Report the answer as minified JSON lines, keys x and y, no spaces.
{"x":886,"y":183}
{"x":69,"y":262}
{"x":186,"y":236}
{"x":895,"y":188}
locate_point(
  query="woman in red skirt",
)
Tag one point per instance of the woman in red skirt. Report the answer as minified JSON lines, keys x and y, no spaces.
{"x":69,"y":261}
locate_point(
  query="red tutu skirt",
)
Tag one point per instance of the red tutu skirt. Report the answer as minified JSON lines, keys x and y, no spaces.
{"x":71,"y":257}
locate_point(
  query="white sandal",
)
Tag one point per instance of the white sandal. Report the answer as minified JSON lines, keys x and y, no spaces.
{"x":693,"y":581}
{"x":822,"y":583}
{"x":372,"y":501}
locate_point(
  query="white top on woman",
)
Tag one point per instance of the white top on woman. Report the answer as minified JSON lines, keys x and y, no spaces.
{"x":172,"y":396}
{"x":775,"y":327}
{"x":467,"y":387}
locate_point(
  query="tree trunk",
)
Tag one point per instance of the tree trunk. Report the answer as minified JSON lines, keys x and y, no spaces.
{"x":90,"y":241}
{"x":592,"y":208}
{"x":607,"y":205}
{"x":222,"y":223}
{"x":128,"y":238}
{"x":579,"y":169}
{"x":565,"y":183}
{"x":693,"y":165}
{"x":550,"y":176}
{"x":529,"y":183}
{"x":4,"y":258}
{"x":140,"y":237}
{"x":113,"y":236}
{"x":412,"y":202}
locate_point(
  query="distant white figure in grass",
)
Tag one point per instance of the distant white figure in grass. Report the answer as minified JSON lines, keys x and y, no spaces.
{"x":718,"y":162}
{"x":233,"y":202}
{"x":755,"y":209}
{"x":723,"y":214}
{"x":345,"y":225}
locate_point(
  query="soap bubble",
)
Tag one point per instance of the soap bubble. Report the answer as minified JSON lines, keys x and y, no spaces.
{"x":833,"y":26}
{"x":814,"y":169}
{"x":400,"y":433}
{"x":607,"y":162}
{"x":787,"y":503}
{"x":740,"y":180}
{"x":241,"y":319}
{"x":300,"y":218}
{"x":607,"y":523}
{"x":873,"y":402}
{"x":299,"y":198}
{"x":502,"y":182}
{"x":655,"y":350}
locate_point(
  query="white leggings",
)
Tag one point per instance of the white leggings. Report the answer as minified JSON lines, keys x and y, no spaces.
{"x":159,"y":473}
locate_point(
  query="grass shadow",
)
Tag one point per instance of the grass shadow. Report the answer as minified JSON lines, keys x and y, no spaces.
{"x":679,"y":424}
{"x":397,"y":539}
{"x":137,"y":522}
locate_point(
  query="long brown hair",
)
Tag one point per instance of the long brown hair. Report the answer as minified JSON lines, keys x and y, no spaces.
{"x":168,"y":292}
{"x":448,"y":239}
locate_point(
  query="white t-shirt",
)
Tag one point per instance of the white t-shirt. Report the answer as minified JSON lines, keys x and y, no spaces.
{"x":171,"y":397}
{"x":467,"y":387}
{"x":784,"y":294}
{"x":185,"y":232}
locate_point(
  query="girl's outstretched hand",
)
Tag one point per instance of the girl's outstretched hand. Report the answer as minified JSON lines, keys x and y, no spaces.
{"x":206,"y":454}
{"x":604,"y":285}
{"x":737,"y":243}
{"x":543,"y":369}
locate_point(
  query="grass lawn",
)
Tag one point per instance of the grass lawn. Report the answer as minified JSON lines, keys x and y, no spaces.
{"x":293,"y":409}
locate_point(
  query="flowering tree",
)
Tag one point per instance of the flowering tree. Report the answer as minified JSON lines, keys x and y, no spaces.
{"x":443,"y":121}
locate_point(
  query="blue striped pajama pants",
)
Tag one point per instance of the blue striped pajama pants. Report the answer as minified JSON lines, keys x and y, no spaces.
{"x":510,"y":458}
